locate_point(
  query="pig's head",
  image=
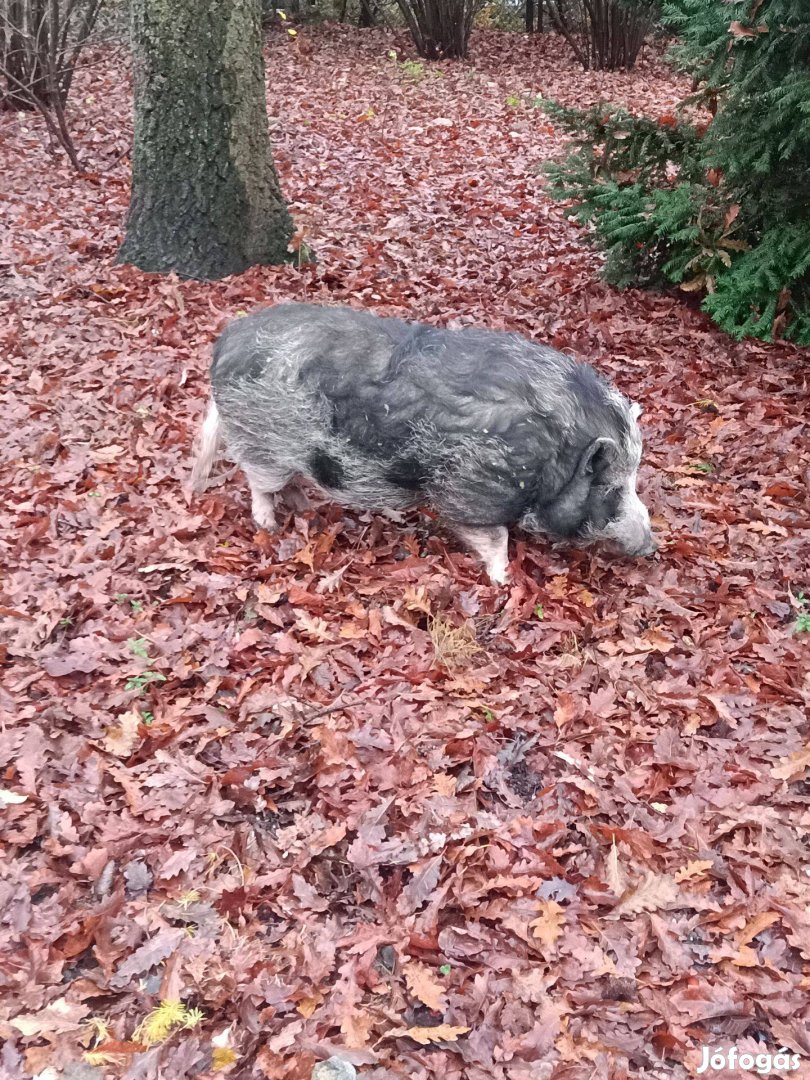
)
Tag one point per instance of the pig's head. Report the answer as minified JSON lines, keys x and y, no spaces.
{"x":599,"y":501}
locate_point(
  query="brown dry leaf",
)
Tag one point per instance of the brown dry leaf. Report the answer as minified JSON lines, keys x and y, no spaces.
{"x":416,"y":598}
{"x":306,"y":554}
{"x":656,"y":639}
{"x":356,"y":1024}
{"x":308,"y":1005}
{"x":444,"y":784}
{"x":425,"y":1036}
{"x":548,"y":926}
{"x":756,"y":926}
{"x":793,"y":767}
{"x":122,"y":738}
{"x":58,"y":1018}
{"x":653,"y":892}
{"x":425,"y":985}
{"x":557,"y":587}
{"x":152,"y":952}
{"x":746,"y":957}
{"x":697,"y":868}
{"x":615,"y":877}
{"x":317,"y":628}
{"x":766,"y":528}
{"x":567,"y":709}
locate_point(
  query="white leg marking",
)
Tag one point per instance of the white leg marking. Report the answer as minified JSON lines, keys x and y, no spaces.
{"x":492,"y":545}
{"x":263,"y":510}
{"x":263,"y":485}
{"x":207,"y":444}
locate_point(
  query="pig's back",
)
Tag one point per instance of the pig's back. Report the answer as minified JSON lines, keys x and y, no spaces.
{"x":325,"y":347}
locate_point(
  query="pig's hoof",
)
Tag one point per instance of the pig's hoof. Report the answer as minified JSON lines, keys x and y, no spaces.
{"x":264,"y":512}
{"x":498,"y":575}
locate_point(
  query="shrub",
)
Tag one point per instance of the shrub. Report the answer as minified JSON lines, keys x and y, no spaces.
{"x":603,"y":34}
{"x":440,"y":28}
{"x":719,"y":208}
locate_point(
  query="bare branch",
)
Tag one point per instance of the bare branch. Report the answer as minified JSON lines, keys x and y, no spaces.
{"x":40,"y":44}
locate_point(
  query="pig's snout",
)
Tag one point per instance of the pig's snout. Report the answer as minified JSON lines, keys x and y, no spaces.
{"x":631,"y":532}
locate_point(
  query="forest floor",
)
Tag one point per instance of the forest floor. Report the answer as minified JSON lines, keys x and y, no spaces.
{"x":329,"y":789}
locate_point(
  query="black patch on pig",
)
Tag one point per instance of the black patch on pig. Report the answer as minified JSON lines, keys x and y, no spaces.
{"x":407,"y":473}
{"x":325,"y":470}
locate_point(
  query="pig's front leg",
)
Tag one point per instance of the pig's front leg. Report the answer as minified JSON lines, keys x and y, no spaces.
{"x":491,"y":543}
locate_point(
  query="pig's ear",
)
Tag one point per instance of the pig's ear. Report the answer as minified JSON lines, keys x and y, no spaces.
{"x":635,"y":410}
{"x":597,"y":457}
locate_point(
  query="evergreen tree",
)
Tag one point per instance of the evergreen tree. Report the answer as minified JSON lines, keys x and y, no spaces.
{"x":721,"y":208}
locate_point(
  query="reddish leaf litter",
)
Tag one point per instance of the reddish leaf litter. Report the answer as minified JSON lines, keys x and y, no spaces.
{"x":328,"y":792}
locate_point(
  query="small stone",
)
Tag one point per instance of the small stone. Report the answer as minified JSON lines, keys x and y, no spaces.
{"x":334,"y":1068}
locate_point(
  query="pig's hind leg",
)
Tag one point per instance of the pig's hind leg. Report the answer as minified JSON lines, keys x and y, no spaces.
{"x":491,"y":543}
{"x":264,"y":484}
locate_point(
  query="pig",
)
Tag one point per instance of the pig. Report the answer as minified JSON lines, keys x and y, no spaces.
{"x":488,"y":428}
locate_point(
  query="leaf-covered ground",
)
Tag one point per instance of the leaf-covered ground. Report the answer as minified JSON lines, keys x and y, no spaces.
{"x":329,"y":789}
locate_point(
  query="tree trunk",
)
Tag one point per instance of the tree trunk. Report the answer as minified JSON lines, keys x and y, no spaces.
{"x":205,"y":197}
{"x":366,"y":16}
{"x":529,"y":16}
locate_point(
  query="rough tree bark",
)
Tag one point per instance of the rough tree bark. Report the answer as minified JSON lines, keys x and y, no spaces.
{"x":205,"y":196}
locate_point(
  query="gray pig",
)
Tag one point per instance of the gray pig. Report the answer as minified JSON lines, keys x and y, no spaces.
{"x":488,"y":428}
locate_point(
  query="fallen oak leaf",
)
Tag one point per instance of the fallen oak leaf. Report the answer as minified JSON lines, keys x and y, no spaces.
{"x":756,"y":926}
{"x":697,"y":868}
{"x":782,"y":490}
{"x":58,"y":1018}
{"x":615,"y":877}
{"x":420,"y":887}
{"x":121,"y":738}
{"x":307,"y":1006}
{"x":151,"y":953}
{"x":548,"y":926}
{"x":766,"y":528}
{"x":746,"y":957}
{"x":653,"y":892}
{"x":793,"y":767}
{"x":425,"y":986}
{"x":317,"y":628}
{"x":426,"y":1036}
{"x":737,"y":30}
